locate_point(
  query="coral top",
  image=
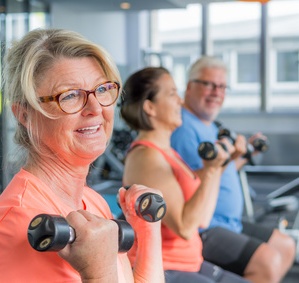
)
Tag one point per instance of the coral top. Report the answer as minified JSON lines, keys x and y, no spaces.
{"x":178,"y":254}
{"x":24,"y":198}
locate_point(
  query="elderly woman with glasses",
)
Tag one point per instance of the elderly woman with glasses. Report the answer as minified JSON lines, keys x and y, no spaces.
{"x":62,"y":89}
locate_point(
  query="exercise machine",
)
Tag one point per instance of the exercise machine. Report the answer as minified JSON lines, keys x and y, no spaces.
{"x":281,"y":200}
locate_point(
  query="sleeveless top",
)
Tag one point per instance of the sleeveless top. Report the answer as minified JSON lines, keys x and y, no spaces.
{"x":178,"y":253}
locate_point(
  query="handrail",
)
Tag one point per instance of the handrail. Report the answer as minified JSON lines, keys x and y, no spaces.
{"x":271,"y":169}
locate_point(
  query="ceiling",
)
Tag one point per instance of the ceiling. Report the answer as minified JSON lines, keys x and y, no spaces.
{"x":14,"y":6}
{"x":135,"y":5}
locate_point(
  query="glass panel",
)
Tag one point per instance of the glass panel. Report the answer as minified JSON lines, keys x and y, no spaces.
{"x":235,"y":37}
{"x":176,"y":35}
{"x":287,"y":66}
{"x":284,"y":64}
{"x":248,"y":68}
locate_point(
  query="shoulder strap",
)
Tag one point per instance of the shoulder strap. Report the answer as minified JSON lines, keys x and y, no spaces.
{"x":151,"y":145}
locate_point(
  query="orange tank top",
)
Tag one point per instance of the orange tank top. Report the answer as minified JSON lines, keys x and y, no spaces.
{"x":178,"y":253}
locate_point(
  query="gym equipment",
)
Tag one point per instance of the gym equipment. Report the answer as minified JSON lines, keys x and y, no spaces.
{"x":209,"y":151}
{"x":257,"y":145}
{"x":48,"y":232}
{"x":280,"y":200}
{"x":149,"y":206}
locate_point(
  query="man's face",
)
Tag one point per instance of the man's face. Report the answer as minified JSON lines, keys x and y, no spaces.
{"x":205,"y":94}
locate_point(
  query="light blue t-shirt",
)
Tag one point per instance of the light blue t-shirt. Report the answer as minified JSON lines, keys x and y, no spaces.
{"x":185,"y":140}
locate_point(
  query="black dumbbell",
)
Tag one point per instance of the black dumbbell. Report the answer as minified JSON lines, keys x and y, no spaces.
{"x":209,"y":151}
{"x":257,"y":145}
{"x":48,"y":232}
{"x":260,"y":144}
{"x":226,"y":133}
{"x":149,"y":206}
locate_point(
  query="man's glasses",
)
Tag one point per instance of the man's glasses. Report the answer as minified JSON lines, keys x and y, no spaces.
{"x":74,"y":100}
{"x":210,"y":85}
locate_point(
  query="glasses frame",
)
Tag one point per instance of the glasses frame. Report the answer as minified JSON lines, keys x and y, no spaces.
{"x":212,"y":85}
{"x":55,"y":97}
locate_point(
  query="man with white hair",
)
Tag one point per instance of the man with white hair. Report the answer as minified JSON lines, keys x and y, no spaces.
{"x":258,"y":253}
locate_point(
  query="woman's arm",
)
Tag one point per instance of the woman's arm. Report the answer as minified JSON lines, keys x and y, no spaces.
{"x":149,"y":167}
{"x":147,"y":258}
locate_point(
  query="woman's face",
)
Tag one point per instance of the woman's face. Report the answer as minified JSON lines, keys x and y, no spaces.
{"x":79,"y":137}
{"x":167,"y":104}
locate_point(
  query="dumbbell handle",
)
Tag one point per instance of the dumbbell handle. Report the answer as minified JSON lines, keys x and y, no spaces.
{"x":149,"y":206}
{"x":48,"y":232}
{"x":209,"y":151}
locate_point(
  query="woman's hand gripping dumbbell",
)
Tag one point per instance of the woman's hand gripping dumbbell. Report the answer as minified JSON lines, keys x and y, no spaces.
{"x":149,"y":206}
{"x":209,"y":151}
{"x":52,"y":233}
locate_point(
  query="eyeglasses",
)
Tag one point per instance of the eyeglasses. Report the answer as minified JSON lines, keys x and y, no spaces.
{"x":74,"y":100}
{"x":210,"y":85}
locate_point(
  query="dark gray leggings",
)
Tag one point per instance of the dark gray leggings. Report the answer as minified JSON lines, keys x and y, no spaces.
{"x":209,"y":273}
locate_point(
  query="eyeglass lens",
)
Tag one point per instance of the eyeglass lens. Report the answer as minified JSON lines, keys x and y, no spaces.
{"x":74,"y":100}
{"x":210,"y":85}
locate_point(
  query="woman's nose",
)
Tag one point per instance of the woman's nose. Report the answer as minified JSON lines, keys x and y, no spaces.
{"x":92,"y":104}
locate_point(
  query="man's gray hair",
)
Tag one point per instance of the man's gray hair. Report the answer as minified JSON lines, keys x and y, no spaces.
{"x":203,"y":63}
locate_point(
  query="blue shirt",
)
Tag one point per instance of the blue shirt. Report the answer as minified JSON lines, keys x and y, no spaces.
{"x":185,"y":140}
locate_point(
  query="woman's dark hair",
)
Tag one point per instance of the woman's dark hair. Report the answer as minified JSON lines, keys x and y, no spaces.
{"x":139,"y":87}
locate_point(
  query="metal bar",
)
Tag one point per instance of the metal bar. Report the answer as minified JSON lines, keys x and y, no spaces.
{"x":271,"y":169}
{"x":284,"y":190}
{"x":205,"y":39}
{"x":264,"y":61}
{"x":247,"y":197}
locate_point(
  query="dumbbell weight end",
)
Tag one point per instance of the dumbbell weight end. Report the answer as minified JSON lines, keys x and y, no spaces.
{"x":52,"y":233}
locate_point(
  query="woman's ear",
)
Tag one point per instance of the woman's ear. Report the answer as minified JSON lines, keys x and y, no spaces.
{"x":149,"y":108}
{"x":21,"y":113}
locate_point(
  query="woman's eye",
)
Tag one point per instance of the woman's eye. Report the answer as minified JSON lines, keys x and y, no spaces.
{"x":101,"y":89}
{"x":69,"y":95}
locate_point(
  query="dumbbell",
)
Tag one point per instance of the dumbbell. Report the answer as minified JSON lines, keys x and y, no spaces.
{"x":47,"y":232}
{"x":209,"y":151}
{"x":257,"y":145}
{"x":149,"y":206}
{"x":260,"y":144}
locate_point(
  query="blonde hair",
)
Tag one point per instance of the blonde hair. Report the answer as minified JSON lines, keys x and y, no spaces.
{"x":27,"y":61}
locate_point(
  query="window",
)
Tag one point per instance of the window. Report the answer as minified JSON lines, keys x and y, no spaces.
{"x":177,"y":33}
{"x":287,"y":66}
{"x":235,"y":33}
{"x":284,"y":60}
{"x":248,"y":68}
